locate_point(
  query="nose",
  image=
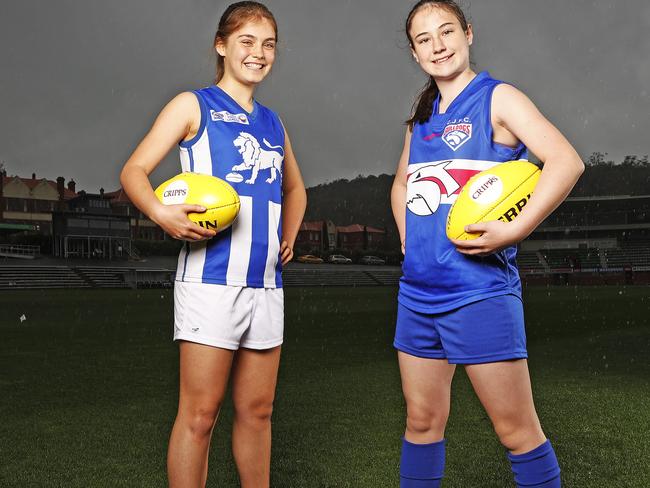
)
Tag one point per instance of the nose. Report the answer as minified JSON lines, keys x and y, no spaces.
{"x":258,"y":51}
{"x":438,"y":45}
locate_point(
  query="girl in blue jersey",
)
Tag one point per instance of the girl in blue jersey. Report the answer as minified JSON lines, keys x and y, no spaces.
{"x":460,"y":301}
{"x":228,"y":301}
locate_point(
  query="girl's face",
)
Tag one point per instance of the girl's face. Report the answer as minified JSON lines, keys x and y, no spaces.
{"x":249,"y":52}
{"x":440,"y":46}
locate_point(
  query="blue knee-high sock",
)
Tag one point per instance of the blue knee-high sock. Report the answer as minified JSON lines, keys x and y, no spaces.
{"x":422,"y":465}
{"x":538,"y":468}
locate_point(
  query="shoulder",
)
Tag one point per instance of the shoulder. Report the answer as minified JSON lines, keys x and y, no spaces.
{"x":508,"y":100}
{"x":184,"y":103}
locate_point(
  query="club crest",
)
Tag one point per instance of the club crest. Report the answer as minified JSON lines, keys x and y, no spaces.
{"x":457,"y":133}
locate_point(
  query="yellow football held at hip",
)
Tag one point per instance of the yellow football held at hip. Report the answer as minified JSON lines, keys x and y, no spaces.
{"x":498,"y":193}
{"x":217,"y":196}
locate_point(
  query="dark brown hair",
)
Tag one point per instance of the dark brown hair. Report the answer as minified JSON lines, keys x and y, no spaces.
{"x":236,"y":15}
{"x":423,"y":105}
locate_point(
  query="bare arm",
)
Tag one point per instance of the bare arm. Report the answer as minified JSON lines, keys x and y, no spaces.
{"x":398,"y":190}
{"x":294,"y":201}
{"x":514,"y":113}
{"x":176,"y":121}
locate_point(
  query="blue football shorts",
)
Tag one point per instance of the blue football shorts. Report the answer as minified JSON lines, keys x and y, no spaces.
{"x":485,"y":331}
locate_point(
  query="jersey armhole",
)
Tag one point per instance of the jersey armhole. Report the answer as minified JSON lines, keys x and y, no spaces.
{"x":203,"y":123}
{"x":489,"y":130}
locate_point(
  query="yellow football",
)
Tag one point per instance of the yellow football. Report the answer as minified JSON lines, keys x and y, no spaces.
{"x":498,"y":193}
{"x":218,"y":197}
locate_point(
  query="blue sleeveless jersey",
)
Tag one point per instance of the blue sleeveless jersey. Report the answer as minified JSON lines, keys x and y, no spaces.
{"x":247,"y":150}
{"x":445,"y":152}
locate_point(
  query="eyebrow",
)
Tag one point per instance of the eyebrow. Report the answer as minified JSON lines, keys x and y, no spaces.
{"x":251,"y":36}
{"x":439,"y":27}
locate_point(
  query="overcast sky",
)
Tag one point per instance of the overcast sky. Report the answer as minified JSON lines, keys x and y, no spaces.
{"x":82,"y":80}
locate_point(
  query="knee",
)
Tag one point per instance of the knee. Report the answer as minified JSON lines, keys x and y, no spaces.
{"x":200,"y":421}
{"x":422,"y":418}
{"x":255,"y":413}
{"x":519,"y":436}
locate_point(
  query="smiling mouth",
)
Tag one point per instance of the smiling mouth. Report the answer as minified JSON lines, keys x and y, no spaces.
{"x":255,"y":66}
{"x":442,"y":60}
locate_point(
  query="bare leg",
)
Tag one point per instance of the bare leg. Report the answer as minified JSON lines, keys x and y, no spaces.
{"x":203,"y":380}
{"x":254,"y":379}
{"x":426,"y":384}
{"x":504,"y":390}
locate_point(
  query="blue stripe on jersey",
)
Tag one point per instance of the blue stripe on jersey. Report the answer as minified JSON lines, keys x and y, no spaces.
{"x":278,"y":267}
{"x":191,"y":154}
{"x":187,"y":255}
{"x":260,"y":244}
{"x":217,"y":255}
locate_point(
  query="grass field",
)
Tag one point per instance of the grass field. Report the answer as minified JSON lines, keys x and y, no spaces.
{"x":88,"y":389}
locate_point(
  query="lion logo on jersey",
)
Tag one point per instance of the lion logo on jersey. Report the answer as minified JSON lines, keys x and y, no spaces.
{"x":255,"y":158}
{"x":426,"y":186}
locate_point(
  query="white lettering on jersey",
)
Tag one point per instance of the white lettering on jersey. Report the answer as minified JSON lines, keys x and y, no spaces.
{"x":225,"y":116}
{"x":255,"y":158}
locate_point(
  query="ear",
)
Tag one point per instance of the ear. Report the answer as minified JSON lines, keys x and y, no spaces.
{"x":220,"y":47}
{"x":415,"y":56}
{"x":470,"y":34}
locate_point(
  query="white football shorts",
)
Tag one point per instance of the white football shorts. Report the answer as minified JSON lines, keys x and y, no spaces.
{"x":229,"y":317}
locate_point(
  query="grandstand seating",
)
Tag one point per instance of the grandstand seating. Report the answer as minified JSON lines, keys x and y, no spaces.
{"x":531,"y":261}
{"x":36,"y":277}
{"x":631,"y":254}
{"x":104,"y":277}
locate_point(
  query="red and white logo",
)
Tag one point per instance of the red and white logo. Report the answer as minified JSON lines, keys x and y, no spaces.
{"x":430,"y":184}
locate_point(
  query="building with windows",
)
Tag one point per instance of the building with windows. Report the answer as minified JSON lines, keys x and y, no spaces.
{"x":31,"y":201}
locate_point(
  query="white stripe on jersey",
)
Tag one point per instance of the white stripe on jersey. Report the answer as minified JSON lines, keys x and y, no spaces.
{"x":185,"y":159}
{"x":201,"y":154}
{"x":275,"y":209}
{"x":240,"y":243}
{"x":191,"y":266}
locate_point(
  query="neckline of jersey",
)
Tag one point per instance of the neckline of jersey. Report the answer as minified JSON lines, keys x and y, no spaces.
{"x":251,"y":115}
{"x":463,"y":94}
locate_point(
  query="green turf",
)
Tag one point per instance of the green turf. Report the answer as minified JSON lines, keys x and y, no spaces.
{"x":88,"y":388}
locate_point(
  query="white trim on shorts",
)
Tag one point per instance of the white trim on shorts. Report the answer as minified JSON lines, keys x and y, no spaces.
{"x":229,"y":317}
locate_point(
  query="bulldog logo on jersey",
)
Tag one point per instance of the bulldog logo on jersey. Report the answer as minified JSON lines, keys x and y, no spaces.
{"x":427,"y":185}
{"x":457,"y":132}
{"x":256,"y":158}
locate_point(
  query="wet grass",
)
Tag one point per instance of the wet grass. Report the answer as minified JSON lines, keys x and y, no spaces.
{"x":88,"y":389}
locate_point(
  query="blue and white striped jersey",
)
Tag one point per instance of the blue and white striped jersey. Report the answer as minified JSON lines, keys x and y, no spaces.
{"x":247,"y":150}
{"x":445,"y":152}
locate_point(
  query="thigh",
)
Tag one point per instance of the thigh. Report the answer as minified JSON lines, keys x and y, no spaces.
{"x":505,"y":391}
{"x":204,"y":372}
{"x":254,"y":377}
{"x":426,"y":382}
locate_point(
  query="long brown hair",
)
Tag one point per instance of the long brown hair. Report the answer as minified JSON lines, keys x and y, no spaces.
{"x":236,"y":15}
{"x":423,"y":105}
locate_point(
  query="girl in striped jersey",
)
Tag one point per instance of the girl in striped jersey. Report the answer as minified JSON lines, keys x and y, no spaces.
{"x":460,"y":301}
{"x":228,"y":300}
